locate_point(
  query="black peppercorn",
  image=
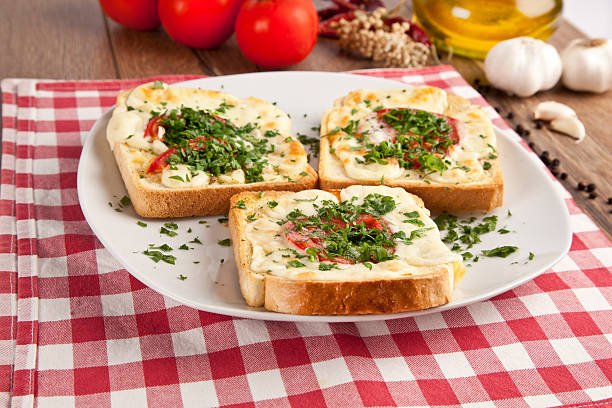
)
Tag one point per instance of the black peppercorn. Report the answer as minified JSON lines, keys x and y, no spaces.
{"x":581,"y":186}
{"x":526,"y":132}
{"x":532,"y":145}
{"x":477,"y":81}
{"x":592,"y":195}
{"x":563,"y":176}
{"x":510,"y":115}
{"x":545,"y":153}
{"x":555,"y":162}
{"x":590,"y":187}
{"x":538,"y":125}
{"x":609,"y":200}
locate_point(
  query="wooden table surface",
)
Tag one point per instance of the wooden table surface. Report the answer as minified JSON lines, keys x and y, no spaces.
{"x":72,"y":39}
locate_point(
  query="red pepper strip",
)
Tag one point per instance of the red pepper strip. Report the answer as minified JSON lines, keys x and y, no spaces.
{"x":152,"y":128}
{"x":159,"y":162}
{"x":303,"y":239}
{"x":325,"y":29}
{"x":417,"y":34}
{"x":415,"y":31}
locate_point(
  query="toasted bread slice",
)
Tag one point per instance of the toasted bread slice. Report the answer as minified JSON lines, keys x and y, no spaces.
{"x":182,"y":188}
{"x":473,"y":178}
{"x":422,"y":276}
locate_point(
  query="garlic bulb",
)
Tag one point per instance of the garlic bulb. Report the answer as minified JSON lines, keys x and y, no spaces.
{"x":587,"y":65}
{"x":523,"y":66}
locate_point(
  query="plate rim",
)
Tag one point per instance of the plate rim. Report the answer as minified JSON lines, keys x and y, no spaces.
{"x":258,"y":313}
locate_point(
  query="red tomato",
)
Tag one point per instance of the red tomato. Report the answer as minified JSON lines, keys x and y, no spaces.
{"x":277,"y":33}
{"x":199,"y":23}
{"x":135,"y":14}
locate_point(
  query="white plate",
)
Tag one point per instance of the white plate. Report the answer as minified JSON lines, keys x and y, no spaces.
{"x":539,"y":215}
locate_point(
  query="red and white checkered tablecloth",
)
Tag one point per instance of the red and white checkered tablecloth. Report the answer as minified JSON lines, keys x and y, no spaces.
{"x":77,"y":329}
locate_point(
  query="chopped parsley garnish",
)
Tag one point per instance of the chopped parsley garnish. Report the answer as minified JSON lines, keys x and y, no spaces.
{"x":158,"y":85}
{"x":486,"y":165}
{"x":531,"y":256}
{"x":502,"y":251}
{"x":461,"y":235}
{"x":206,"y":142}
{"x":306,"y":200}
{"x":157,"y":256}
{"x":202,"y":222}
{"x":327,"y":266}
{"x":167,"y":232}
{"x":311,"y":142}
{"x":184,"y":247}
{"x":295,"y":264}
{"x":225,"y":242}
{"x":272,"y":204}
{"x":164,"y":247}
{"x":196,"y":240}
{"x":223,"y":107}
{"x":171,"y":225}
{"x":421,"y":140}
{"x":125,"y":201}
{"x":222,"y":220}
{"x":346,"y":231}
{"x":142,"y":224}
{"x":182,"y":277}
{"x":240,"y":204}
{"x":251,"y":217}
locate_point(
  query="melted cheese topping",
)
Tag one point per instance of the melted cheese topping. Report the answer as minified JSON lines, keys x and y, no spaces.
{"x":269,"y":243}
{"x":477,"y":140}
{"x":288,"y":160}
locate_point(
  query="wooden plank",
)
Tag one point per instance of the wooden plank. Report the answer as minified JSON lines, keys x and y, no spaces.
{"x":150,"y":53}
{"x":54,"y":39}
{"x":586,"y":162}
{"x":227,"y":59}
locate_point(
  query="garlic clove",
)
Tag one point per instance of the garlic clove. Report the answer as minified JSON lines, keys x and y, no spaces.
{"x":550,"y":110}
{"x":569,"y":125}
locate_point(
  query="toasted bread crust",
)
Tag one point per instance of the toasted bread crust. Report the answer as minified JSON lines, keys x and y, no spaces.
{"x":322,"y":297}
{"x":187,"y":202}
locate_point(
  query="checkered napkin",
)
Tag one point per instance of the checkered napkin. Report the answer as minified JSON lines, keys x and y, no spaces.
{"x":77,"y":329}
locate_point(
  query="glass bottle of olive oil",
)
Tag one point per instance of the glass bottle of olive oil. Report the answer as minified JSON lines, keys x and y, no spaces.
{"x":472,"y":27}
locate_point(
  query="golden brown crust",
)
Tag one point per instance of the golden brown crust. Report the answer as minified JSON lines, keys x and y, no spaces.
{"x":208,"y":200}
{"x":312,"y":297}
{"x":365,"y":297}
